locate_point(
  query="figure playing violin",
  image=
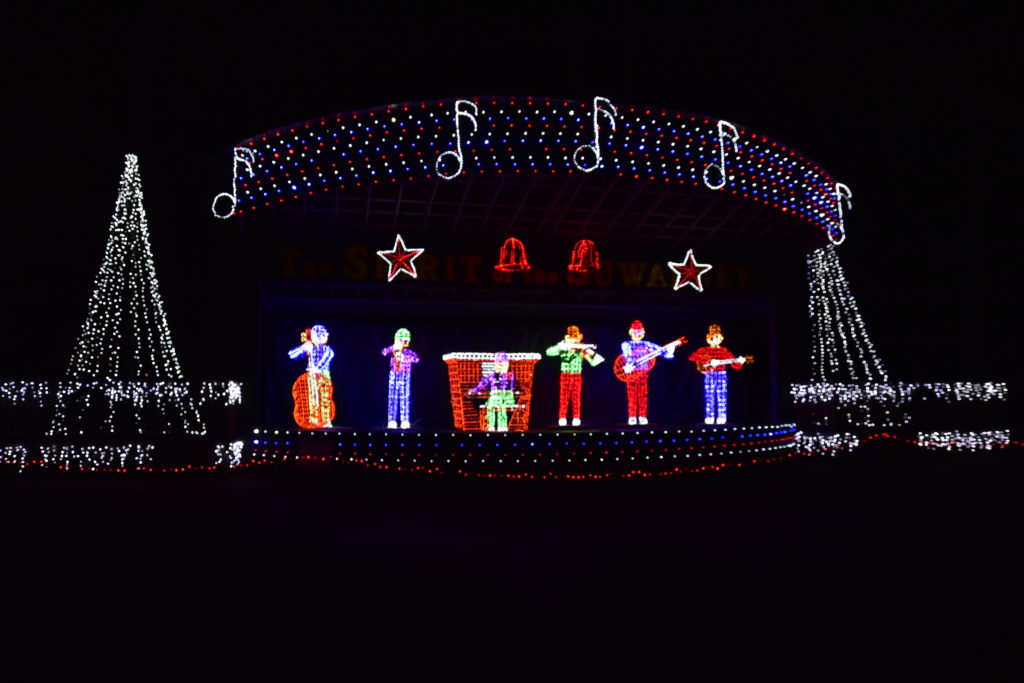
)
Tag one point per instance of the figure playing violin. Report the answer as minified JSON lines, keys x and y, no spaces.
{"x":572,"y":352}
{"x":400,"y":378}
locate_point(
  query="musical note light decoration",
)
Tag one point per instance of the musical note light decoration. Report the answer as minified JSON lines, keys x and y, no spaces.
{"x":519,"y":135}
{"x":601,"y":106}
{"x":246,"y":157}
{"x":726,"y":131}
{"x":460,"y":114}
{"x":124,"y":375}
{"x":837,"y":233}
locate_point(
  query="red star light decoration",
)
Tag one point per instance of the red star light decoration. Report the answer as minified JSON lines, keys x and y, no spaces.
{"x":400,"y":258}
{"x":688,"y":272}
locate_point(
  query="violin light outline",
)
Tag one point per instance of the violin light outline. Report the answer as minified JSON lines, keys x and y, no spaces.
{"x":248,"y":160}
{"x":596,"y":147}
{"x":457,"y":152}
{"x":842,"y":192}
{"x":734,"y":137}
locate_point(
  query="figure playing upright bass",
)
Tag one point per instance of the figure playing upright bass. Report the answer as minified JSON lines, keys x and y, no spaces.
{"x":711,"y":361}
{"x":313,"y":391}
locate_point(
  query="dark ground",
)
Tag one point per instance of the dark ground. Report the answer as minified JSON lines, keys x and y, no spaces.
{"x":887,"y":564}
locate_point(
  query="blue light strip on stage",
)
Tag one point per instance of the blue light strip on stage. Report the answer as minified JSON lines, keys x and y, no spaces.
{"x":533,"y":453}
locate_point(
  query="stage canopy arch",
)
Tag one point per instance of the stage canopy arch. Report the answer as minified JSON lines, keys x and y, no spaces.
{"x":540,"y":164}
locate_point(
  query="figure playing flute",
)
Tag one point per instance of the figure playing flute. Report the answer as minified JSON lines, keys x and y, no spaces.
{"x":572,"y":352}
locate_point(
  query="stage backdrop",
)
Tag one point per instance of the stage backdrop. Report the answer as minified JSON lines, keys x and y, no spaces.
{"x":360,"y":327}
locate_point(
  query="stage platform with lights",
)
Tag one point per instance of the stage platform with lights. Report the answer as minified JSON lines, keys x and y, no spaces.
{"x":542,"y":454}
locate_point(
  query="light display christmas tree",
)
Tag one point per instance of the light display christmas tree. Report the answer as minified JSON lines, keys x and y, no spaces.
{"x":847,"y":376}
{"x":850,"y":387}
{"x":841,"y":350}
{"x":124,"y":375}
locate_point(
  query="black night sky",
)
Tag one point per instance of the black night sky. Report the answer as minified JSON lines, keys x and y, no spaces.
{"x":909,"y":104}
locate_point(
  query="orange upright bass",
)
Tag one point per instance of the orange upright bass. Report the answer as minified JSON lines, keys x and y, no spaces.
{"x":313,"y":391}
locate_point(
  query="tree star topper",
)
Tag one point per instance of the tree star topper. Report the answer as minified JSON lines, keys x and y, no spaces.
{"x":400,"y":258}
{"x":689,"y":272}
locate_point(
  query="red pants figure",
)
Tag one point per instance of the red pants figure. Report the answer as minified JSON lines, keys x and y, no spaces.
{"x":570,"y":388}
{"x":636,"y":394}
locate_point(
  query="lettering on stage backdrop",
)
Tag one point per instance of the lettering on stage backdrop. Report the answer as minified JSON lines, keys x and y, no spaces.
{"x":360,"y":263}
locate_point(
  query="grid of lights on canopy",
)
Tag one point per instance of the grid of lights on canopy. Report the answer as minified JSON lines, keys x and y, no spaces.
{"x":446,"y":139}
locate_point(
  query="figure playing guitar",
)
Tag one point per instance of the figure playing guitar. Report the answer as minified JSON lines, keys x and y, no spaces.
{"x":711,"y":361}
{"x":632,"y":366}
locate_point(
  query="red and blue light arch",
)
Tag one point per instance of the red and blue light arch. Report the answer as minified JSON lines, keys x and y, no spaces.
{"x":524,"y":135}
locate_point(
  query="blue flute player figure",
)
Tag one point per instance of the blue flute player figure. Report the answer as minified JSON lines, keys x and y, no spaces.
{"x":400,"y":378}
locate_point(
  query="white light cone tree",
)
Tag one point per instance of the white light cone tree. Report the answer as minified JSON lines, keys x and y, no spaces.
{"x":124,"y":376}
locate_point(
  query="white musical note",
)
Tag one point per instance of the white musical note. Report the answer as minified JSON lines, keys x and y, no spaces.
{"x":842,"y":192}
{"x":457,"y":153}
{"x":596,"y":147}
{"x":725,"y":129}
{"x":247,"y":157}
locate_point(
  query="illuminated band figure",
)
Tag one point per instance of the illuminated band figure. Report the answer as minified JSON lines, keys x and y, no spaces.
{"x":400,"y":377}
{"x":501,"y":397}
{"x":635,"y":363}
{"x":313,"y":391}
{"x":572,"y":352}
{"x":711,"y":361}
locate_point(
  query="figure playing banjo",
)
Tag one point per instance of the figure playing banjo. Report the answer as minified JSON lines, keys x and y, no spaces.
{"x":635,"y":363}
{"x":711,"y":361}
